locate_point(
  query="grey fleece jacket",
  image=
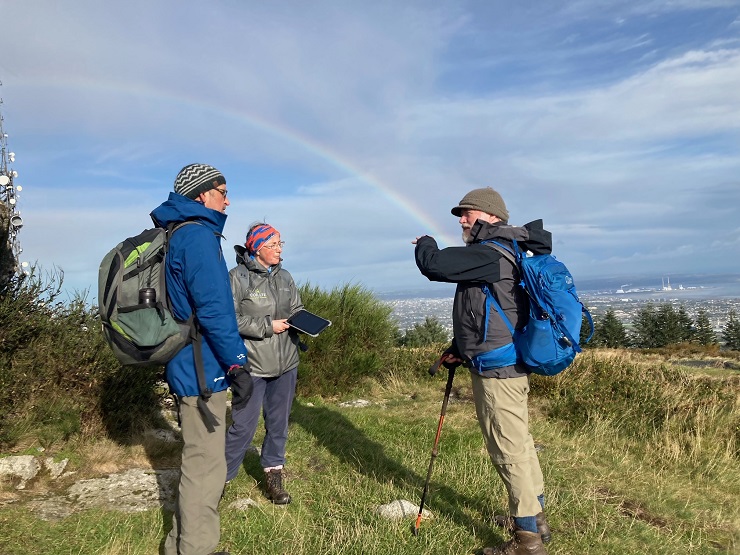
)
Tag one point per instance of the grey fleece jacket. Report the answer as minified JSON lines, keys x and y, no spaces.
{"x":261,"y":295}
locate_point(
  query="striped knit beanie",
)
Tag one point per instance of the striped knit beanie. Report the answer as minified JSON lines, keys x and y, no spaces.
{"x":195,"y":179}
{"x":258,"y":236}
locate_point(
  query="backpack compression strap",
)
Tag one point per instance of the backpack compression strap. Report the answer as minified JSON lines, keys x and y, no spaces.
{"x":205,"y":392}
{"x":491,"y":300}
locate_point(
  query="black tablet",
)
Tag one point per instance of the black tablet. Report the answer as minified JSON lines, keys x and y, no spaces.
{"x":308,"y":323}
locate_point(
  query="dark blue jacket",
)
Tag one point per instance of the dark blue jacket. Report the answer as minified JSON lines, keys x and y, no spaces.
{"x":198,"y":281}
{"x":478,"y":264}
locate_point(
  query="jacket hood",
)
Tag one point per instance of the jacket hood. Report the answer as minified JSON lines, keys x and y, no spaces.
{"x":483,"y":231}
{"x":241,"y":254}
{"x":540,"y":240}
{"x":178,"y":208}
{"x":532,"y":236}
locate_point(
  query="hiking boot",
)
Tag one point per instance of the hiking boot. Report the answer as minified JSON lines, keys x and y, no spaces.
{"x":507,"y":523}
{"x":274,"y":487}
{"x":523,"y":543}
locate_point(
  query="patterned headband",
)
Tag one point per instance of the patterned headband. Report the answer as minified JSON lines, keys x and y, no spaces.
{"x":258,"y":237}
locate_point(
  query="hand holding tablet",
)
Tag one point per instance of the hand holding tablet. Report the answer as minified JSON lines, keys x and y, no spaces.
{"x":308,"y":323}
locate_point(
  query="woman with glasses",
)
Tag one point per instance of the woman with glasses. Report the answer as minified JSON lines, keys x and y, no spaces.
{"x":265,"y":296}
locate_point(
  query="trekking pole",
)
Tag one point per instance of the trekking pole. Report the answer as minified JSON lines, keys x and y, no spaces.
{"x":448,"y":389}
{"x":434,"y":367}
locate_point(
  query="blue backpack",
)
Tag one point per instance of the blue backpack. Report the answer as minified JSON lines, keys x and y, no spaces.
{"x":549,"y":341}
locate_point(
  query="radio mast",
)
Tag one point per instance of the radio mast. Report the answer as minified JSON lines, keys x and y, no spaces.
{"x":10,"y":216}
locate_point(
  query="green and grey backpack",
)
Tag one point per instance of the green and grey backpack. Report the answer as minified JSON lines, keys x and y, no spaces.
{"x":134,"y":306}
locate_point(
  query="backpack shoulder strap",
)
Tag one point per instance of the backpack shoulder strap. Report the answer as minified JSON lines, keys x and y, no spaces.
{"x":504,"y":251}
{"x":174,"y":226}
{"x":511,"y":256}
{"x":196,"y":339}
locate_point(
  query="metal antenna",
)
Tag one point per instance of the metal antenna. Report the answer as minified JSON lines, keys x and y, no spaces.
{"x":10,"y":217}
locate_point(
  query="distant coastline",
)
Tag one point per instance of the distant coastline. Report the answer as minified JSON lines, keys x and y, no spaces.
{"x":716,"y":294}
{"x":694,"y":286}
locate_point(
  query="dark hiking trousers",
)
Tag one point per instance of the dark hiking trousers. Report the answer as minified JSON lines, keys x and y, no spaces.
{"x":274,"y":397}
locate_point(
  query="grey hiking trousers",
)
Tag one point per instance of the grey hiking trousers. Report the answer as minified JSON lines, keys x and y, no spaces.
{"x":196,"y":527}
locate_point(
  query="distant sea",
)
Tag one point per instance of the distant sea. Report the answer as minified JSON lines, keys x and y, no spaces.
{"x":716,"y":294}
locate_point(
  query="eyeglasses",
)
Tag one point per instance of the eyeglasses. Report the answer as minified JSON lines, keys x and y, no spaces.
{"x":273,"y":246}
{"x":224,"y":192}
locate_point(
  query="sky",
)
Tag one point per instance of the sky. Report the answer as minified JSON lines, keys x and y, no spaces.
{"x":353,"y":127}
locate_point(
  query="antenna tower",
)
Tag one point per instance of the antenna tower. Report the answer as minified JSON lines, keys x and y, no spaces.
{"x":10,"y":217}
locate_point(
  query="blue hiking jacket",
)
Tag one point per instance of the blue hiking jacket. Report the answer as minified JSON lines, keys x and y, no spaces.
{"x":198,"y":281}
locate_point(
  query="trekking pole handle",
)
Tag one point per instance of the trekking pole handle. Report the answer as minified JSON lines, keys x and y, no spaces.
{"x":435,"y":367}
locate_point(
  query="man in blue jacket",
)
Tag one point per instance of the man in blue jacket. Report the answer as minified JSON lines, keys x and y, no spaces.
{"x":198,"y":285}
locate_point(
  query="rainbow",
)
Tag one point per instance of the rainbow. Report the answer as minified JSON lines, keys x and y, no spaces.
{"x":336,"y":160}
{"x":282,"y":132}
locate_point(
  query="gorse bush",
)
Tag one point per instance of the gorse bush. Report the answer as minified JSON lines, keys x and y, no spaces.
{"x":26,"y":310}
{"x":357,"y":345}
{"x":58,"y":378}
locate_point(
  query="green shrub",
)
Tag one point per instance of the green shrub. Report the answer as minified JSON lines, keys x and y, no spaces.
{"x":8,"y":261}
{"x":130,"y":399}
{"x":355,"y":346}
{"x":58,"y":378}
{"x":429,"y":332}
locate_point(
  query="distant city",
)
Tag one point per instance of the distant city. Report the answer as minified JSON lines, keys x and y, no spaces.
{"x":717,"y":295}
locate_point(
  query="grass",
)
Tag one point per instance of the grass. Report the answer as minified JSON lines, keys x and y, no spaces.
{"x":608,"y":492}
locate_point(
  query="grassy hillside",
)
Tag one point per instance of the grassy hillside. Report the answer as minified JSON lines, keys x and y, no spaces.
{"x":640,"y":450}
{"x":638,"y":456}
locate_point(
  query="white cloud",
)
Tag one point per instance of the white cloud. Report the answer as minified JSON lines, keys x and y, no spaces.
{"x":356,"y":130}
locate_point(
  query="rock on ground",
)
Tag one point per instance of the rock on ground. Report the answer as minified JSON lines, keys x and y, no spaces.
{"x":134,"y":490}
{"x":401,"y":508}
{"x":22,"y":467}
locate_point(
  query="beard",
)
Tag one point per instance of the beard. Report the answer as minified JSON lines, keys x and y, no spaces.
{"x":466,"y":235}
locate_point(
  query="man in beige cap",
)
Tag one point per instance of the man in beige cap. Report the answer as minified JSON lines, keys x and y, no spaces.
{"x":500,"y":382}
